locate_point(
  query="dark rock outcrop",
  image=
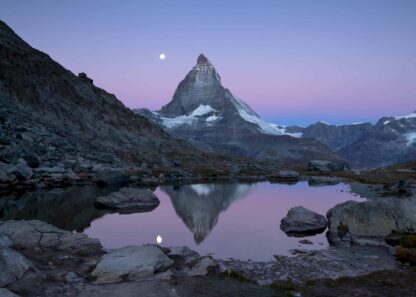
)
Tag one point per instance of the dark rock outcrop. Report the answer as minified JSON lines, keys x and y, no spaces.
{"x":300,"y":221}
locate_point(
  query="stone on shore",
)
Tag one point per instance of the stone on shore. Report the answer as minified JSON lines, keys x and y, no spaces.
{"x":7,"y":293}
{"x":13,"y":266}
{"x":301,"y":221}
{"x":204,"y":266}
{"x":131,"y":263}
{"x":36,"y":234}
{"x":129,"y":199}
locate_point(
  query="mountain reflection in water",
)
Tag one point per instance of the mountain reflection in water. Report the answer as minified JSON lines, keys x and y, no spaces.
{"x":199,"y":205}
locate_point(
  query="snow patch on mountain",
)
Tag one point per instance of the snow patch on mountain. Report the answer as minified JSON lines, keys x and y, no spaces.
{"x":409,"y":116}
{"x":187,"y":119}
{"x":212,"y":118}
{"x":282,"y":130}
{"x":250,"y":116}
{"x":410,"y":137}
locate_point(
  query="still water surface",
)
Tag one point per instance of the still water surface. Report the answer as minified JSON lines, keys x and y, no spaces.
{"x":226,"y":220}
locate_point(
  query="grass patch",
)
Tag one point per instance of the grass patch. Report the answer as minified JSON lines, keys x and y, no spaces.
{"x":285,"y":288}
{"x":408,"y":241}
{"x":237,"y":276}
{"x":406,"y":255}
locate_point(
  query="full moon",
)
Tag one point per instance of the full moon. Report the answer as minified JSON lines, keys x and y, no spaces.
{"x":162,"y":56}
{"x":159,"y":239}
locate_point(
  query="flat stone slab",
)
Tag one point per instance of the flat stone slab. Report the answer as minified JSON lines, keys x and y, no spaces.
{"x":129,"y":200}
{"x":36,"y":234}
{"x":131,"y":263}
{"x":329,"y":263}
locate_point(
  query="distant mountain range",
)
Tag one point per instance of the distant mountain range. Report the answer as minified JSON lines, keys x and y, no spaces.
{"x":207,"y":114}
{"x":391,"y":140}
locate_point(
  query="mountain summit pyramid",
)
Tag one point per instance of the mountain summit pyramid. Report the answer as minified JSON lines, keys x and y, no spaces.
{"x":206,"y":113}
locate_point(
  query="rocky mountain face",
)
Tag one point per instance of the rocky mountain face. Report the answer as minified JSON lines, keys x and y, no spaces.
{"x":391,"y":140}
{"x":50,"y":116}
{"x":211,"y":117}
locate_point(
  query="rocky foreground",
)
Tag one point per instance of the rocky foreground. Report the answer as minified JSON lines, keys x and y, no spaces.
{"x":39,"y":259}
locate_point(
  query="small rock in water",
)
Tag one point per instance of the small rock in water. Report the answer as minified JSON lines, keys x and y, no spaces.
{"x":129,"y":200}
{"x":301,"y":221}
{"x":305,"y":241}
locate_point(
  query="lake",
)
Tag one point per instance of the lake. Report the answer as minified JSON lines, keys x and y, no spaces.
{"x":238,"y":220}
{"x":226,"y":220}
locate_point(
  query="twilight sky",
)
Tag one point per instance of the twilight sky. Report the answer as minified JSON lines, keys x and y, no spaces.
{"x":294,"y":62}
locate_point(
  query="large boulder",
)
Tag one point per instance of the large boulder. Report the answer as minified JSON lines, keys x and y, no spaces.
{"x":327,"y":166}
{"x":129,"y":200}
{"x":131,"y":263}
{"x":301,"y":221}
{"x":36,"y":234}
{"x":371,"y":221}
{"x":13,"y":266}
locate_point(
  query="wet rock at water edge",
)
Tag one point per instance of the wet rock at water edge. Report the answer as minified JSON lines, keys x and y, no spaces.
{"x":370,"y":222}
{"x":327,"y":166}
{"x":300,"y":221}
{"x":110,"y":176}
{"x":321,"y":181}
{"x":129,"y":200}
{"x":289,"y":174}
{"x":131,"y":263}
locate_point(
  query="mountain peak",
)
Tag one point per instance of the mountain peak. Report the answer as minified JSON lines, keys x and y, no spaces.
{"x":202,"y":59}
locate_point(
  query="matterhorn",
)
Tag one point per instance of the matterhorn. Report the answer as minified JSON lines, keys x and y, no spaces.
{"x":206,"y":113}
